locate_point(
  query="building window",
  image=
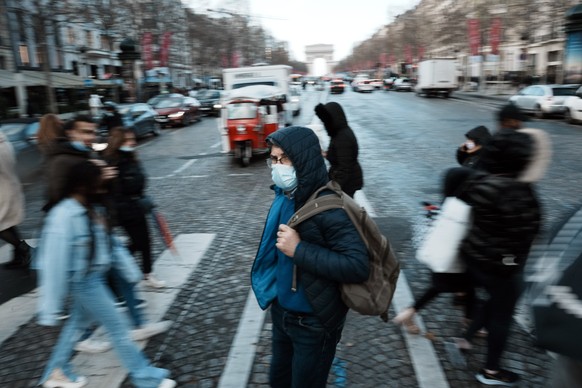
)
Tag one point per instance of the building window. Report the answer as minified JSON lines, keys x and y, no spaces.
{"x":24,"y":58}
{"x":554,"y":56}
{"x":71,"y":35}
{"x":105,"y":43}
{"x":89,"y":39}
{"x":2,"y":63}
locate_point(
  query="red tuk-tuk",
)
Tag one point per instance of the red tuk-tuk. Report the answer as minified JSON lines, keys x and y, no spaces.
{"x":250,"y":114}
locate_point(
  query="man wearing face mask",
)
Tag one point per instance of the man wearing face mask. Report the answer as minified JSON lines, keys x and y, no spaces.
{"x":469,"y":152}
{"x":325,"y":251}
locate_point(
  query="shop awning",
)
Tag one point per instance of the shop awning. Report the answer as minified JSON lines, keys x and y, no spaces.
{"x":7,"y":79}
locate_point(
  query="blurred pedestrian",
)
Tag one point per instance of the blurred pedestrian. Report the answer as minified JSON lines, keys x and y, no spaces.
{"x":342,"y":152}
{"x":75,"y":252}
{"x":325,"y":251}
{"x":469,"y":152}
{"x":458,"y":283}
{"x":131,"y":205}
{"x":111,"y":117}
{"x":505,"y":220}
{"x":50,"y":131}
{"x":511,"y":117}
{"x":12,"y":207}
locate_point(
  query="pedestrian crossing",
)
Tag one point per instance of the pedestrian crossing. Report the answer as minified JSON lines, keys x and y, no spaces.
{"x":104,"y":369}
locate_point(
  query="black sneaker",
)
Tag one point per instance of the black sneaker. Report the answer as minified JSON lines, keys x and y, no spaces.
{"x":502,"y":377}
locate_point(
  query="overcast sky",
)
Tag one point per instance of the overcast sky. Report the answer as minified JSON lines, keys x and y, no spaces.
{"x":342,"y":23}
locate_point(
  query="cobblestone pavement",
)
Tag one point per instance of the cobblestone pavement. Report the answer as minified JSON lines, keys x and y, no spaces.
{"x":200,"y":190}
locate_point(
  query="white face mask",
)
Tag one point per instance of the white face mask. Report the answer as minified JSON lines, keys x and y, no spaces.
{"x":470,"y":145}
{"x":284,"y":176}
{"x":126,"y":148}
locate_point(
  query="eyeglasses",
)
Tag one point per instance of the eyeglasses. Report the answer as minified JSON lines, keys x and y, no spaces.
{"x":274,"y":160}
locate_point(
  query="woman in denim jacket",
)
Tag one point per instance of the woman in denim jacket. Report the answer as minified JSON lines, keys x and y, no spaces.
{"x":75,"y":252}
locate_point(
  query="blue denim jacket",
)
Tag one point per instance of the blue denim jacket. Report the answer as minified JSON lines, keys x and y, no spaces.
{"x":63,"y":256}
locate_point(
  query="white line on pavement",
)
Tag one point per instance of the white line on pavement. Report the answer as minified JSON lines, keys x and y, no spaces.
{"x":176,"y":171}
{"x":242,"y":352}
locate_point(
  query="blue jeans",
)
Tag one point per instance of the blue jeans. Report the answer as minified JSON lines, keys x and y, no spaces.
{"x":94,"y":302}
{"x":303,"y":349}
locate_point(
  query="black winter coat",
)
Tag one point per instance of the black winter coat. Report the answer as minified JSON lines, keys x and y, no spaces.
{"x":331,"y":251}
{"x":127,"y":189}
{"x":343,"y":150}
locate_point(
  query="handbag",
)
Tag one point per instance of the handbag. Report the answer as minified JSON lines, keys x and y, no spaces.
{"x":440,"y":248}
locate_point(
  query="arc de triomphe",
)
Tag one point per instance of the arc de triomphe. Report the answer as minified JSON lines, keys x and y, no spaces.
{"x":316,"y":52}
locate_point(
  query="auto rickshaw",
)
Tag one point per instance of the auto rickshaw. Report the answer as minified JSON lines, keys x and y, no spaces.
{"x":250,"y":115}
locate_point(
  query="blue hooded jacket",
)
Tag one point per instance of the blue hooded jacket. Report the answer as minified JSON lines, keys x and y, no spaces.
{"x":331,"y":251}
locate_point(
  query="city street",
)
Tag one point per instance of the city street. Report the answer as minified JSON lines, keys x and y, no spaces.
{"x":406,"y":143}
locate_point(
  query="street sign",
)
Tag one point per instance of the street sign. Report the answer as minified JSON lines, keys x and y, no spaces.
{"x":88,"y":83}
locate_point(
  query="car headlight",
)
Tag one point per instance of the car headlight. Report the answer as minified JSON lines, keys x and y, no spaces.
{"x":176,"y":115}
{"x":217,"y":106}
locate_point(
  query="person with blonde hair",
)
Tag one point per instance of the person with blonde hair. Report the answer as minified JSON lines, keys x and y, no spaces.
{"x":50,"y":131}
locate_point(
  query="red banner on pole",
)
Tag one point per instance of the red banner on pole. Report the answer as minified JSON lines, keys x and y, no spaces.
{"x":474,"y":35}
{"x":147,"y":50}
{"x":165,"y":49}
{"x":495,"y":36}
{"x":408,"y":54}
{"x":420,"y":52}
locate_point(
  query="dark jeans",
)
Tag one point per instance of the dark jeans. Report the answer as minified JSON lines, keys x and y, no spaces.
{"x":448,"y":283}
{"x":139,"y":236}
{"x":303,"y":350}
{"x":496,"y":313}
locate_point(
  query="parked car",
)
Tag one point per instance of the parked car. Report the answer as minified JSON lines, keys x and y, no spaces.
{"x":363,"y":86}
{"x":155,"y":99}
{"x":377,"y":83}
{"x":209,"y":101}
{"x":337,"y":86}
{"x":543,"y":100}
{"x":295,"y":100}
{"x":402,"y":84}
{"x":140,"y":118}
{"x":388,"y":82}
{"x":573,"y":107}
{"x":178,"y":111}
{"x":22,"y":134}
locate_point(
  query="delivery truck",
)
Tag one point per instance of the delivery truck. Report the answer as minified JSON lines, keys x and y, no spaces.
{"x":437,"y":77}
{"x":271,"y":75}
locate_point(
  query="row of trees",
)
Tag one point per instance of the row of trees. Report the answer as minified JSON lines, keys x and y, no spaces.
{"x":201,"y":42}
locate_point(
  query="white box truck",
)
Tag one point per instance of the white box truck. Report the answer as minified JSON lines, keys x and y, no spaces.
{"x":437,"y":77}
{"x":273,"y":75}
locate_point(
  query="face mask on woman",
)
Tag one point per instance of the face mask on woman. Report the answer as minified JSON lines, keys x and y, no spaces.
{"x":126,"y":149}
{"x":284,"y":176}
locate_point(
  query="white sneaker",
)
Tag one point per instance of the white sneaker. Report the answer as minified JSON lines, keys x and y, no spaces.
{"x":150,"y":330}
{"x":151,"y":281}
{"x":57,"y":379}
{"x":167,"y":383}
{"x":93,"y":346}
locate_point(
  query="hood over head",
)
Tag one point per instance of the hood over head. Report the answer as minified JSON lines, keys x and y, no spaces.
{"x":480,"y":135}
{"x":523,"y":154}
{"x":302,"y":147}
{"x":332,"y":115}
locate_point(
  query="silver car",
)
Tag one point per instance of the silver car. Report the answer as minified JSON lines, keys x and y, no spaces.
{"x":543,"y":100}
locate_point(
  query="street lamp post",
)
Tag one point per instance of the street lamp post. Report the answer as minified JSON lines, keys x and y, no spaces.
{"x":128,"y":56}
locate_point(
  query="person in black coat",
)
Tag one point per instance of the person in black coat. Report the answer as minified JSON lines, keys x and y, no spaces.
{"x":323,"y":252}
{"x":469,"y":152}
{"x":506,"y":218}
{"x":111,"y":118}
{"x":343,"y":150}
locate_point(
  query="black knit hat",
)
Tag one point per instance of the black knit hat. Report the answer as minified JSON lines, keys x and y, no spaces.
{"x":511,"y":111}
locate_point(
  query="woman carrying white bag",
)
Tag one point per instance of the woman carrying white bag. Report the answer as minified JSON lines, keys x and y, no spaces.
{"x":439,"y":250}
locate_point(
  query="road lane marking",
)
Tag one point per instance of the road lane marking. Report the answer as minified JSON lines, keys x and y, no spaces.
{"x":176,"y":171}
{"x":242,"y":351}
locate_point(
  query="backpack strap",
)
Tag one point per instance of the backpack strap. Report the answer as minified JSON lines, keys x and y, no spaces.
{"x":315,"y":205}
